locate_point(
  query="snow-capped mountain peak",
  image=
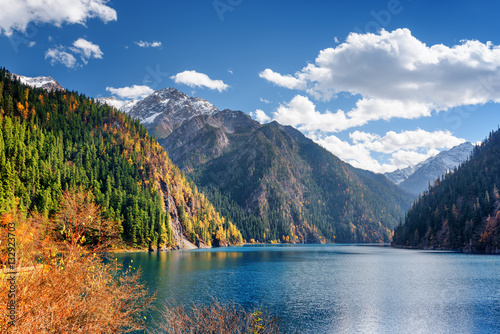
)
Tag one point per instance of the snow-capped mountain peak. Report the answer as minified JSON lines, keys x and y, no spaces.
{"x":123,"y":106}
{"x":399,"y":175}
{"x":169,"y":108}
{"x":415,"y":179}
{"x":175,"y":102}
{"x":44,"y":82}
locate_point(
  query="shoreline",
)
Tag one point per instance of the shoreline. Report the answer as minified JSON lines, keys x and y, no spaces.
{"x":137,"y":250}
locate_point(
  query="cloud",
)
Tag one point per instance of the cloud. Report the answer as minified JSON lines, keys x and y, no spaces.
{"x":17,"y":15}
{"x":405,"y":148}
{"x":398,"y":76}
{"x":31,"y":44}
{"x":86,"y":49}
{"x":286,"y":81}
{"x":143,"y":44}
{"x":408,"y":140}
{"x":390,"y":75}
{"x":260,"y":116}
{"x":58,"y":55}
{"x":357,"y":155}
{"x":264,"y":100}
{"x":132,"y":92}
{"x":301,"y":112}
{"x":66,"y":56}
{"x":195,"y":79}
{"x":403,"y":158}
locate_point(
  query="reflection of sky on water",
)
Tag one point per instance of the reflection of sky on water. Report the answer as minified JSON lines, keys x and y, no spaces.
{"x":338,"y":289}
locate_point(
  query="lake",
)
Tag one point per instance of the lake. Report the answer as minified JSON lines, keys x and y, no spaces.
{"x":337,"y":288}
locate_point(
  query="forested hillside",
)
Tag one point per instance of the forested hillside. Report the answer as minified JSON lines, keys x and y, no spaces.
{"x":287,"y":188}
{"x":272,"y":181}
{"x":57,"y":141}
{"x":462,"y":210}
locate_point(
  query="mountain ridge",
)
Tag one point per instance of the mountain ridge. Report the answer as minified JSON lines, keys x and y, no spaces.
{"x":277,"y":180}
{"x":416,"y":179}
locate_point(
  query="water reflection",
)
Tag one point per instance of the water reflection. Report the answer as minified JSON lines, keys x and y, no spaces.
{"x":337,"y":289}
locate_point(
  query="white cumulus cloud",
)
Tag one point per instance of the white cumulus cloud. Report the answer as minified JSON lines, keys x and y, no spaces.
{"x":410,"y":140}
{"x":356,"y":155}
{"x":66,"y":56}
{"x":260,"y":116}
{"x":286,"y":81}
{"x":86,"y":49}
{"x":18,"y":14}
{"x":153,"y":44}
{"x":196,"y":79}
{"x":58,"y":55}
{"x":301,"y":113}
{"x":398,"y":76}
{"x":132,"y":92}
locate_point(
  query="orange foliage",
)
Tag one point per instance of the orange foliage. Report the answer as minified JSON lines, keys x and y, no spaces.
{"x":22,"y":110}
{"x":61,"y":285}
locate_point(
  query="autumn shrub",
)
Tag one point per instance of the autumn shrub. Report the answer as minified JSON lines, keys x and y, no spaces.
{"x":63,"y":284}
{"x":217,"y":317}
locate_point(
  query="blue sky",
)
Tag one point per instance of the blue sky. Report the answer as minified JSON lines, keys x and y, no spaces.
{"x":381,"y":84}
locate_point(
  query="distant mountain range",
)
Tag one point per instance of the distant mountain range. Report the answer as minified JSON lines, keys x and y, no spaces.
{"x":272,"y":181}
{"x":416,"y":179}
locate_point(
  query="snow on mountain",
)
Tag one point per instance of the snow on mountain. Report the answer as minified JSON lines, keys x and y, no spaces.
{"x":399,"y":175}
{"x":169,"y":108}
{"x":416,"y":179}
{"x":47,"y":83}
{"x":123,"y":106}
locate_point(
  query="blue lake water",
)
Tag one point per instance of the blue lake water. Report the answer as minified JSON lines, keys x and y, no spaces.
{"x":337,"y":288}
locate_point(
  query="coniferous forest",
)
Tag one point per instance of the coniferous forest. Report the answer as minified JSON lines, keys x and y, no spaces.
{"x":461,"y":210}
{"x":51,"y":142}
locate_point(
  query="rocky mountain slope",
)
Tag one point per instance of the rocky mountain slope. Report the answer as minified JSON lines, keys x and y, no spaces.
{"x":272,"y":181}
{"x":416,"y":179}
{"x":165,"y":110}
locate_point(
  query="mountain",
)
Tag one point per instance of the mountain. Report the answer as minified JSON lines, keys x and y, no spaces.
{"x":416,"y":179}
{"x":462,"y":210}
{"x":166,"y":109}
{"x":58,"y":141}
{"x":47,"y":83}
{"x":123,"y":106}
{"x":272,"y":181}
{"x":400,"y":175}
